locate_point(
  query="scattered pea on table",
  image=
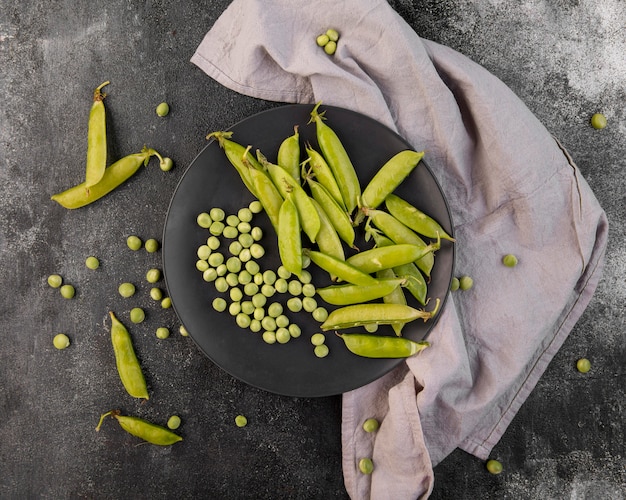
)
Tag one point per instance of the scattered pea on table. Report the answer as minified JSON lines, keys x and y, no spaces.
{"x":92,"y":262}
{"x":509,"y":260}
{"x":55,"y":280}
{"x":162,"y":332}
{"x":583,"y":365}
{"x":598,"y":121}
{"x":134,"y":242}
{"x":173,"y":422}
{"x":61,"y":341}
{"x":163,"y":109}
{"x":151,"y":245}
{"x":137,"y":315}
{"x":126,"y":290}
{"x":241,"y":421}
{"x":67,"y":291}
{"x":370,"y":425}
{"x":366,"y":465}
{"x":494,"y":466}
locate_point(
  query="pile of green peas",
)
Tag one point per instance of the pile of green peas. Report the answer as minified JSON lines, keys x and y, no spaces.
{"x":259,"y":300}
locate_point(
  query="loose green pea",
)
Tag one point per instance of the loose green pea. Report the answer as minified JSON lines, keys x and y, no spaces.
{"x":241,"y":421}
{"x":246,"y":240}
{"x":258,"y":279}
{"x":275,"y":309}
{"x":55,"y":281}
{"x":309,"y":304}
{"x":232,"y":279}
{"x":92,"y":263}
{"x":251,"y":289}
{"x":247,"y":307}
{"x":166,"y":303}
{"x":202,"y":265}
{"x":234,"y":308}
{"x":156,"y":293}
{"x":269,"y":337}
{"x":217,"y":214}
{"x":245,"y":255}
{"x":233,"y":264}
{"x":283,"y":273}
{"x":230,"y":232}
{"x":259,"y":313}
{"x":294,"y":304}
{"x":305,"y":276}
{"x":221,"y":270}
{"x":204,"y":220}
{"x":173,"y":422}
{"x":221,"y":285}
{"x":494,"y":466}
{"x":137,"y":315}
{"x":308,"y":290}
{"x":252,"y":267}
{"x":257,"y":251}
{"x":509,"y":260}
{"x":466,"y":282}
{"x":598,"y":121}
{"x":583,"y":365}
{"x":209,"y":274}
{"x":268,"y":290}
{"x":294,"y":330}
{"x":255,"y":207}
{"x":322,"y":40}
{"x":151,"y":245}
{"x":282,"y":321}
{"x":320,"y":314}
{"x":321,"y":351}
{"x":235,"y":294}
{"x":216,"y":228}
{"x":256,"y":233}
{"x":215,"y":259}
{"x":235,"y":248}
{"x":244,"y":227}
{"x":153,"y":275}
{"x":269,"y":277}
{"x":163,"y":109}
{"x":243,"y":320}
{"x":370,"y":425}
{"x":282,"y":335}
{"x":133,"y":242}
{"x":203,"y":252}
{"x":255,"y":325}
{"x":259,"y":299}
{"x":126,"y":290}
{"x":269,"y":323}
{"x":166,"y":164}
{"x":454,"y":284}
{"x":61,"y":341}
{"x":232,"y":220}
{"x":183,"y":331}
{"x":294,"y":287}
{"x":245,"y":214}
{"x":332,"y":34}
{"x":318,"y":338}
{"x":366,"y":466}
{"x":213,"y":242}
{"x":67,"y":291}
{"x":219,"y":304}
{"x":162,"y":332}
{"x":281,"y":285}
{"x":330,"y":48}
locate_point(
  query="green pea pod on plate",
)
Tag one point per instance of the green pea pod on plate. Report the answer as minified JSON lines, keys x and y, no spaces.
{"x":379,"y":346}
{"x":289,"y":242}
{"x":138,"y":427}
{"x":414,"y":218}
{"x":96,"y":139}
{"x":372,"y":314}
{"x":289,"y":154}
{"x":395,"y":296}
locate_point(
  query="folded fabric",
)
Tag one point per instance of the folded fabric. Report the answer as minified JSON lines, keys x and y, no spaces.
{"x":510,"y":186}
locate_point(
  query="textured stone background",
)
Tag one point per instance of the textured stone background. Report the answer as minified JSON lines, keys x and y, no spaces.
{"x":565,"y":59}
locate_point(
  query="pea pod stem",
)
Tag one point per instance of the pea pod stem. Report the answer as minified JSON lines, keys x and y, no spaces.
{"x":138,"y":427}
{"x":377,"y":346}
{"x":96,"y":139}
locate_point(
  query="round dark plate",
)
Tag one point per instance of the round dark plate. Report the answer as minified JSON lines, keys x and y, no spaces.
{"x":289,"y":369}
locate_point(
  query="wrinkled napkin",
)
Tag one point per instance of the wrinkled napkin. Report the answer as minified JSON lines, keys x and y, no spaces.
{"x":511,"y":188}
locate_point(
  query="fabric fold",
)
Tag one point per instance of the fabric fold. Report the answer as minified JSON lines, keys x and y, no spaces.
{"x":510,"y":186}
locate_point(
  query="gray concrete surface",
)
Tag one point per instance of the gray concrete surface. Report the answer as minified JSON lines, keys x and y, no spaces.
{"x":564,"y":58}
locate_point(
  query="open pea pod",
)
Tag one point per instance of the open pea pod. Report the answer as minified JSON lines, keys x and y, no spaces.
{"x":414,"y":218}
{"x":379,"y":346}
{"x":138,"y":427}
{"x":341,"y":295}
{"x":395,"y":296}
{"x":372,"y":314}
{"x":390,"y":256}
{"x":289,"y":154}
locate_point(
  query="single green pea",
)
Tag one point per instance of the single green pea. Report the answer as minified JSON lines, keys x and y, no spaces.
{"x":283,"y":273}
{"x":204,"y":252}
{"x":247,"y":307}
{"x":126,"y":290}
{"x":137,"y":315}
{"x":454,"y":284}
{"x":257,"y":251}
{"x":370,"y":425}
{"x":166,"y":303}
{"x":241,"y":421}
{"x":330,"y":48}
{"x":230,"y":232}
{"x":305,"y":276}
{"x":294,"y":304}
{"x":202,"y":265}
{"x":294,"y":330}
{"x":598,"y":121}
{"x":282,"y":321}
{"x":162,"y":332}
{"x":163,"y":109}
{"x":294,"y":287}
{"x":151,"y":245}
{"x":67,"y":291}
{"x":153,"y":275}
{"x":233,"y":264}
{"x":173,"y":422}
{"x":309,"y":304}
{"x":255,"y":325}
{"x":92,"y":262}
{"x":204,"y":220}
{"x":209,"y":274}
{"x":308,"y":289}
{"x":332,"y":34}
{"x":583,"y":365}
{"x":256,"y":233}
{"x":269,"y":337}
{"x":213,"y":242}
{"x":259,"y":299}
{"x":133,"y":242}
{"x":234,"y":308}
{"x":320,"y":314}
{"x":245,"y":255}
{"x":509,"y":260}
{"x":235,"y":248}
{"x":217,"y":214}
{"x":258,"y":313}
{"x":221,"y":285}
{"x":219,"y":304}
{"x":235,"y":294}
{"x":466,"y":282}
{"x":255,"y":207}
{"x":243,"y":320}
{"x":252,"y":267}
{"x":246,"y":240}
{"x":245,"y":214}
{"x":268,"y":323}
{"x":55,"y":280}
{"x":244,"y":227}
{"x":232,"y":279}
{"x":258,"y":279}
{"x":321,"y":351}
{"x":215,"y":259}
{"x":494,"y":466}
{"x":61,"y":341}
{"x":268,"y":290}
{"x":251,"y":289}
{"x":166,"y":164}
{"x":281,"y":285}
{"x":156,"y":293}
{"x":221,"y":270}
{"x":318,"y":338}
{"x":232,"y":220}
{"x":322,"y":40}
{"x":275,"y":309}
{"x":282,"y":335}
{"x":371,"y":328}
{"x":183,"y":331}
{"x":269,"y":277}
{"x":216,"y":228}
{"x":366,"y":466}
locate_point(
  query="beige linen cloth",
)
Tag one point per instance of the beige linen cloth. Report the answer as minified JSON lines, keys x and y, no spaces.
{"x":511,"y":189}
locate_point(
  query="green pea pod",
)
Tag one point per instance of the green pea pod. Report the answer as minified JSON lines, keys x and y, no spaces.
{"x":128,"y":366}
{"x":266,"y":192}
{"x":328,"y":240}
{"x":376,"y":314}
{"x":149,"y":432}
{"x":289,"y":154}
{"x":339,"y":268}
{"x":339,"y":218}
{"x":114,"y":175}
{"x":338,"y":160}
{"x":395,"y":296}
{"x":96,"y":139}
{"x":377,"y":346}
{"x":414,"y":218}
{"x":389,"y":177}
{"x":399,"y":233}
{"x":289,"y":242}
{"x":342,"y":295}
{"x":236,"y":153}
{"x":387,"y":257}
{"x":323,"y":174}
{"x":285,"y":183}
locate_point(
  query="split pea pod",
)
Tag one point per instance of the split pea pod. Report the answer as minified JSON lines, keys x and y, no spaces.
{"x":372,"y":314}
{"x":323,"y":174}
{"x":265,"y":190}
{"x":342,"y":295}
{"x":96,"y":139}
{"x":339,"y":268}
{"x":114,"y":175}
{"x":289,"y":154}
{"x":138,"y":427}
{"x":128,"y":366}
{"x":395,"y":296}
{"x":378,"y":346}
{"x":339,"y":218}
{"x":236,"y":153}
{"x":399,"y":233}
{"x":338,"y":160}
{"x":328,"y":240}
{"x":289,"y":242}
{"x":414,"y":218}
{"x":286,"y":184}
{"x":387,"y":257}
{"x":389,"y":177}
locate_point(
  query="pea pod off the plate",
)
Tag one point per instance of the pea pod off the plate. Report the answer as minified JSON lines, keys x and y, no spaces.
{"x":138,"y":427}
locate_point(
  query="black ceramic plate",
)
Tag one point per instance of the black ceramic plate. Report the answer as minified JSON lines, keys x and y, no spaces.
{"x":210,"y":181}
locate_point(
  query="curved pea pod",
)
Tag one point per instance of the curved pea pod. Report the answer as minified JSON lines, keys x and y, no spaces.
{"x":138,"y":427}
{"x":289,"y":242}
{"x":368,"y":314}
{"x":414,"y":218}
{"x":339,"y":268}
{"x":377,"y":346}
{"x":114,"y":175}
{"x":323,"y":174}
{"x":399,"y":233}
{"x":338,"y":160}
{"x":236,"y":154}
{"x":389,"y":177}
{"x":387,"y":257}
{"x":286,"y":184}
{"x":289,"y":154}
{"x":395,"y":296}
{"x":266,"y":192}
{"x":415,"y":282}
{"x":339,"y":218}
{"x":328,"y":240}
{"x":128,"y":366}
{"x":342,"y":295}
{"x":96,"y":139}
